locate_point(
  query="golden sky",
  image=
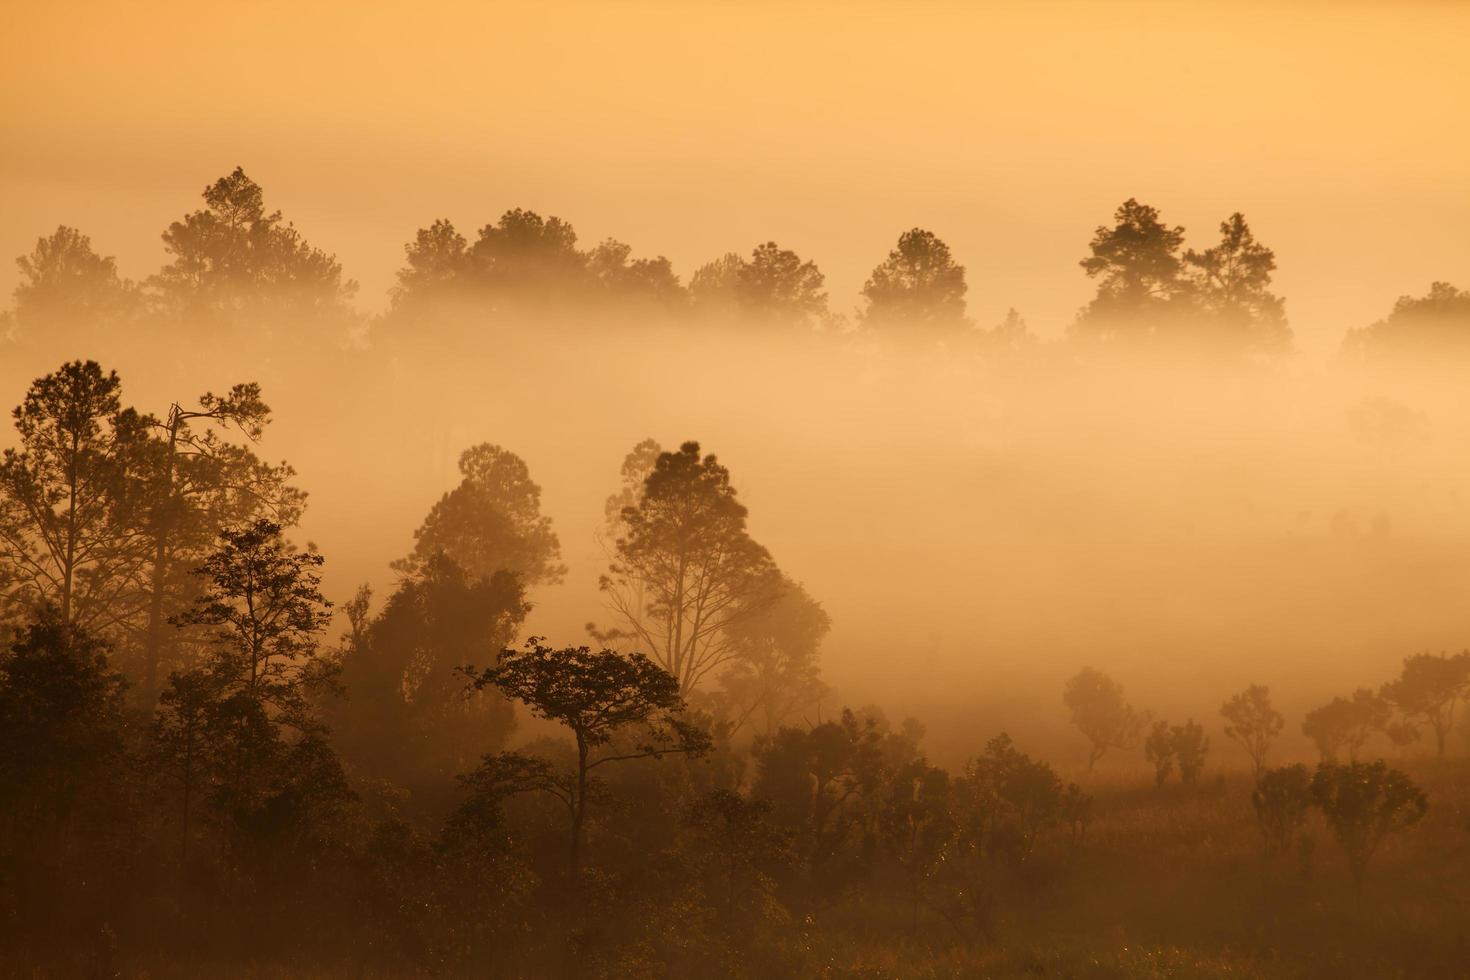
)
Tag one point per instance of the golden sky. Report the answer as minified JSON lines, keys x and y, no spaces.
{"x":691,"y":129}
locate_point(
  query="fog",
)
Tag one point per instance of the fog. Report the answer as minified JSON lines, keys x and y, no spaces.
{"x":1069,"y":579}
{"x":977,"y":528}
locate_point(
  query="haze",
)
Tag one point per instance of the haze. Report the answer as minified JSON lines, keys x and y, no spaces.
{"x":1049,"y":347}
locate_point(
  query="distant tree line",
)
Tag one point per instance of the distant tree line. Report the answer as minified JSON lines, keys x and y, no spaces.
{"x":244,"y":275}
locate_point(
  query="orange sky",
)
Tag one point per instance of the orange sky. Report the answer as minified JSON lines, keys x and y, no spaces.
{"x":691,"y":129}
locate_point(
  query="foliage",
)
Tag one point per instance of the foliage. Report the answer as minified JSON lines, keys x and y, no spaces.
{"x":1346,"y":723}
{"x":70,"y":503}
{"x":918,"y":287}
{"x":1098,"y":710}
{"x":1428,"y":690}
{"x":1364,"y":803}
{"x":1251,"y":721}
{"x":685,"y":571}
{"x":1281,"y":799}
{"x":491,"y":522}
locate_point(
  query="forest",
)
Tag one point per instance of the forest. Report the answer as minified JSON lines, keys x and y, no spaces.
{"x":1133,"y":648}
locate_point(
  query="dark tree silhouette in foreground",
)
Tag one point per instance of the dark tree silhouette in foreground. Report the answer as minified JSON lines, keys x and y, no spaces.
{"x":1364,"y":803}
{"x":70,"y":501}
{"x":1281,"y":799}
{"x":596,"y":695}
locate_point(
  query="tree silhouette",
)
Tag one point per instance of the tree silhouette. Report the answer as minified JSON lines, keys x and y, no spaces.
{"x":774,"y":287}
{"x":685,"y":570}
{"x":918,"y":286}
{"x":1281,"y":799}
{"x":65,"y":284}
{"x":196,"y":481}
{"x":70,"y":499}
{"x":264,"y":611}
{"x":491,"y":522}
{"x":525,"y":260}
{"x":406,"y":717}
{"x":1158,"y":749}
{"x":437,"y":259}
{"x":1191,"y":745}
{"x":234,"y":259}
{"x":1364,"y":803}
{"x":1098,"y":710}
{"x":1345,"y":723}
{"x":595,"y":695}
{"x":775,"y":669}
{"x":1231,"y":291}
{"x":1139,"y":274}
{"x":1428,"y":690}
{"x":1416,"y":328}
{"x":1251,"y":721}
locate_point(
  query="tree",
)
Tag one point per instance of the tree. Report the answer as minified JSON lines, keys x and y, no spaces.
{"x":1251,"y":721}
{"x":198,"y":481}
{"x":775,"y":670}
{"x":816,"y":779}
{"x":685,"y":570}
{"x":918,"y":286}
{"x":65,"y":284}
{"x":1231,"y":290}
{"x":406,"y":717}
{"x":1139,"y":273}
{"x":1346,"y":723}
{"x":917,"y":823}
{"x":491,"y":522}
{"x":437,"y":260}
{"x":232,"y":258}
{"x":738,"y":851}
{"x":1100,"y":713}
{"x":1281,"y":799}
{"x":1008,"y":337}
{"x":180,"y":741}
{"x":61,"y":718}
{"x":69,"y":499}
{"x":646,"y":286}
{"x":526,"y":260}
{"x":595,"y":695}
{"x":637,"y":465}
{"x":774,"y":287}
{"x":1191,"y":745}
{"x":1018,"y":797}
{"x":1158,"y":749}
{"x":1428,"y":690}
{"x":1417,"y":326}
{"x":64,"y":789}
{"x":264,"y":608}
{"x":1363,"y":804}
